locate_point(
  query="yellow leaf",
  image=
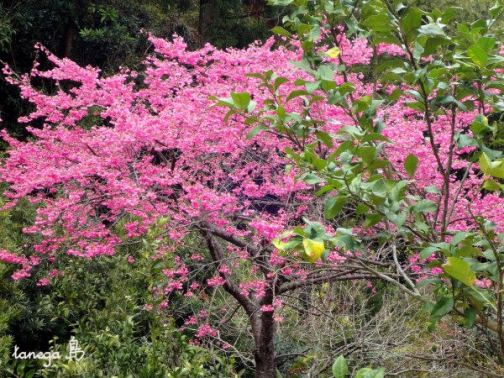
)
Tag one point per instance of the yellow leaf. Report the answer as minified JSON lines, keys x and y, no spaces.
{"x":279,"y":244}
{"x":333,"y":52}
{"x":313,"y":249}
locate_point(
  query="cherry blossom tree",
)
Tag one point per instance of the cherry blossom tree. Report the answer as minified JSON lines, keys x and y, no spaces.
{"x":158,"y":147}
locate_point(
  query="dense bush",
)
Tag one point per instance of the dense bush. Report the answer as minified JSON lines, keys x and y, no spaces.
{"x":105,"y":304}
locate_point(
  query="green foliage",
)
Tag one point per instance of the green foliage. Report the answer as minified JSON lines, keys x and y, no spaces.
{"x":106,"y":305}
{"x":235,"y":23}
{"x":340,"y":367}
{"x":465,"y":63}
{"x":102,"y":303}
{"x":411,"y":164}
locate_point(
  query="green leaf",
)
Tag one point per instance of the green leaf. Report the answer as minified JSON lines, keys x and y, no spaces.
{"x":467,"y":251}
{"x":450,"y":13}
{"x":460,"y":270}
{"x":333,"y":206}
{"x":492,"y":186}
{"x":434,"y":29}
{"x":281,"y":2}
{"x":469,"y":317}
{"x":324,"y":138}
{"x":479,"y":51}
{"x":256,"y":130}
{"x":491,"y":168}
{"x":312,"y":86}
{"x":427,"y":252}
{"x":333,"y":52}
{"x":425,"y":206}
{"x":296,"y":93}
{"x":281,"y":31}
{"x":285,"y":246}
{"x":325,"y":189}
{"x":372,"y":137}
{"x":241,"y":99}
{"x":458,"y":237}
{"x":362,"y":103}
{"x":428,"y":281}
{"x":411,"y":165}
{"x":496,"y":10}
{"x":225,"y":102}
{"x":398,"y":219}
{"x":311,"y":179}
{"x":444,"y":100}
{"x":412,"y":20}
{"x":479,"y":125}
{"x":346,"y":88}
{"x":372,"y":219}
{"x":418,"y":50}
{"x":378,"y":23}
{"x":370,"y":373}
{"x":464,"y":140}
{"x":279,"y":81}
{"x":380,"y":188}
{"x":442,"y":307}
{"x":313,"y":249}
{"x":367,"y":153}
{"x":432,"y":189}
{"x":416,"y":105}
{"x":340,"y":367}
{"x":325,"y":72}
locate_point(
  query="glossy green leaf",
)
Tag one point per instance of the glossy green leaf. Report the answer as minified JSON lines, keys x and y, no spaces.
{"x":241,"y":99}
{"x":460,"y":270}
{"x":479,"y":51}
{"x":378,"y":23}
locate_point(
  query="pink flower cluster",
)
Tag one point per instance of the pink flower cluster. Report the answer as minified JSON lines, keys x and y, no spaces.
{"x":159,"y":148}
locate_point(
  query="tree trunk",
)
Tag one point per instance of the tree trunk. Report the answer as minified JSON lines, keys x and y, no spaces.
{"x":208,"y":14}
{"x":263,"y":323}
{"x":70,"y":35}
{"x":264,"y":354}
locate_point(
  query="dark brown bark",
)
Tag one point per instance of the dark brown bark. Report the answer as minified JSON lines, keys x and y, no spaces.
{"x":263,"y":327}
{"x":70,"y":34}
{"x":264,"y":354}
{"x":263,"y":324}
{"x":208,"y":13}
